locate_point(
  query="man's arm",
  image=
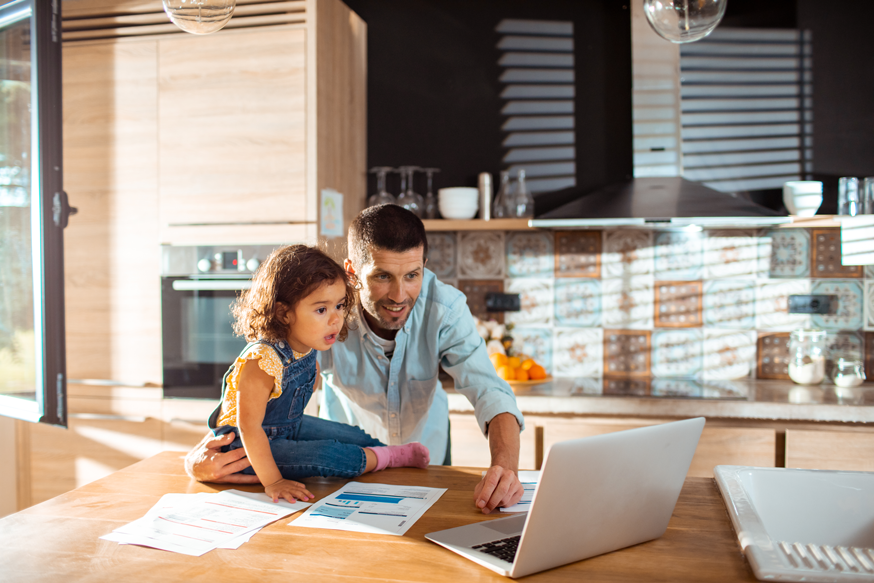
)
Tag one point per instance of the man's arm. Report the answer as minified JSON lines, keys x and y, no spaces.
{"x":207,"y":463}
{"x":501,"y":486}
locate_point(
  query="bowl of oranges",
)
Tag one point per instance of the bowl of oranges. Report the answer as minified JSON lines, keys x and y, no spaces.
{"x":519,"y":371}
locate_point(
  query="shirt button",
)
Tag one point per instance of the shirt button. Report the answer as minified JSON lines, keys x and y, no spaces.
{"x":394,"y":434}
{"x":393,"y":415}
{"x":282,"y":345}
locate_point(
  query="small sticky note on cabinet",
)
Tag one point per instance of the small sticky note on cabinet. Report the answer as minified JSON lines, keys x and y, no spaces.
{"x":331,"y":214}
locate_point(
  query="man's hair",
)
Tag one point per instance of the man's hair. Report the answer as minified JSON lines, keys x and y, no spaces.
{"x":288,"y":275}
{"x":387,"y":227}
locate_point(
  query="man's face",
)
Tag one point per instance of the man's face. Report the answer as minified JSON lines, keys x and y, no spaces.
{"x":390,"y":285}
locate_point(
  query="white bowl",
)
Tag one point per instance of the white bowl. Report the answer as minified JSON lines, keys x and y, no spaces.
{"x":802,"y":197}
{"x":459,"y":193}
{"x":457,"y":211}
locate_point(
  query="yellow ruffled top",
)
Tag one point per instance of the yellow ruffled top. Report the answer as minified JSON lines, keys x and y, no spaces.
{"x":269,"y":362}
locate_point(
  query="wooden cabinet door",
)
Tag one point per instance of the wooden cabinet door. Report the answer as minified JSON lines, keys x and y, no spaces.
{"x":232,"y":122}
{"x":830,"y":450}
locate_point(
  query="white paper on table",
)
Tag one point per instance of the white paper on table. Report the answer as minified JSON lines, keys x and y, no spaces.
{"x":529,"y":479}
{"x":371,"y":508}
{"x":196,"y":524}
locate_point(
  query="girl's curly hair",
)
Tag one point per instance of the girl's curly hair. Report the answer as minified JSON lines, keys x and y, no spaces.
{"x":288,"y":275}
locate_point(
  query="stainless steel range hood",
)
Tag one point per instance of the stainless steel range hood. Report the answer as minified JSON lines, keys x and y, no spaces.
{"x":653,"y":203}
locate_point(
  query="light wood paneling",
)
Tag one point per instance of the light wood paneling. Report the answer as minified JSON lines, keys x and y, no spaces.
{"x":337,"y":63}
{"x":830,"y":450}
{"x":718,"y":445}
{"x":232,"y":120}
{"x":470,"y":448}
{"x":111,"y":252}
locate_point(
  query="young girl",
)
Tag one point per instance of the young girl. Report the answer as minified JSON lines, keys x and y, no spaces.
{"x":297,"y":304}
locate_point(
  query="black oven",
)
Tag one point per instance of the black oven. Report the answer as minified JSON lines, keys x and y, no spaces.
{"x":198,"y":286}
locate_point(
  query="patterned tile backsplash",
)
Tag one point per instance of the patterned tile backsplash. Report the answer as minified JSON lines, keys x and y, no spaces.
{"x":650,"y":310}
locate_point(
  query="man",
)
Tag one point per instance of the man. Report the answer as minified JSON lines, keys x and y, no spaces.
{"x":383,"y":378}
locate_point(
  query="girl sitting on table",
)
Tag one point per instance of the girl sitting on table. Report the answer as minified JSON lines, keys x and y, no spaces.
{"x":298,"y":303}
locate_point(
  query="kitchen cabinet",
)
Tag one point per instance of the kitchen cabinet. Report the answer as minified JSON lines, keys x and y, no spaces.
{"x":830,"y":450}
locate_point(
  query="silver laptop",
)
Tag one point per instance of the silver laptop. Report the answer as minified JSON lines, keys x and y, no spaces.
{"x":595,"y":495}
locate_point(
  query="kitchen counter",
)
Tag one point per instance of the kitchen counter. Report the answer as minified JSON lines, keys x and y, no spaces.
{"x":765,"y":400}
{"x":59,"y":539}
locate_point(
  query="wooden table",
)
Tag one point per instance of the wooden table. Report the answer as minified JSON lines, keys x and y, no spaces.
{"x":58,"y":539}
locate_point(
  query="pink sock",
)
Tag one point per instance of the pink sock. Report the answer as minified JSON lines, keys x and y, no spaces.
{"x":410,"y":455}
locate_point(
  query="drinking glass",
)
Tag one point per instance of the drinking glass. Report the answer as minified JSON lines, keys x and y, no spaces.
{"x":523,"y":201}
{"x":408,"y":198}
{"x":430,"y":210}
{"x":848,"y":196}
{"x":382,"y":196}
{"x":868,"y":195}
{"x":502,"y":207}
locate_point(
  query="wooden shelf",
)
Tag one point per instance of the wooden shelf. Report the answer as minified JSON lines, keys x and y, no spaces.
{"x":819,"y":222}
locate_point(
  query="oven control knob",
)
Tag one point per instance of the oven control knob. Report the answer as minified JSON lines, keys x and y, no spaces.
{"x":204,"y":265}
{"x":252,"y":264}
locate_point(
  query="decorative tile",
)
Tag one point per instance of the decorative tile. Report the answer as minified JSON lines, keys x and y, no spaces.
{"x":627,"y":303}
{"x":869,"y":356}
{"x":578,"y":254}
{"x":730,"y":303}
{"x":476,"y":290}
{"x":578,"y":352}
{"x":732,"y":253}
{"x":442,"y":254}
{"x":846,"y":344}
{"x":677,"y":353}
{"x":772,"y":356}
{"x":678,"y":304}
{"x":529,"y":254}
{"x":729,"y":354}
{"x":869,"y":305}
{"x":481,"y":254}
{"x":619,"y":387}
{"x":676,"y":388}
{"x":849,"y":313}
{"x":578,"y":302}
{"x":627,"y":253}
{"x":627,"y":353}
{"x":788,"y":254}
{"x":826,"y":255}
{"x":679,"y":256}
{"x":536,"y":343}
{"x":536,"y":297}
{"x":586,"y":386}
{"x":869,"y":272}
{"x":772,"y":304}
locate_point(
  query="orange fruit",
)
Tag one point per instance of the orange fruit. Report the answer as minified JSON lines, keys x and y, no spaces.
{"x":521,"y":374}
{"x":507,"y":373}
{"x":536,"y":372}
{"x":514,"y":362}
{"x":498,"y":359}
{"x":527,"y":364}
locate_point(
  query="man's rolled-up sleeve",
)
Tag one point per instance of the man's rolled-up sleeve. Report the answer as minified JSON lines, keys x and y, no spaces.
{"x":463,"y":355}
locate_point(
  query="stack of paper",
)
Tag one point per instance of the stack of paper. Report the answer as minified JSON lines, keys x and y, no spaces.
{"x":193,"y":524}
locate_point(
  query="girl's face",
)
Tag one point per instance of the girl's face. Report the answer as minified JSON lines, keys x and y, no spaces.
{"x":317,"y":319}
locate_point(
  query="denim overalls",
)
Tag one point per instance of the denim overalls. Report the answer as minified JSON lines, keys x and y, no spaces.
{"x":302,"y":446}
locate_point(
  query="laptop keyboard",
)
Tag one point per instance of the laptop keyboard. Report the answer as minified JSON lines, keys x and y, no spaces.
{"x":504,"y":548}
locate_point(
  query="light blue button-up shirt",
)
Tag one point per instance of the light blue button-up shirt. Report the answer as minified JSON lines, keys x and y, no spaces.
{"x":399,"y":399}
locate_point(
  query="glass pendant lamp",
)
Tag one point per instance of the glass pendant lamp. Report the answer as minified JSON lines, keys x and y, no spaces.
{"x":199,"y":16}
{"x":683,"y":21}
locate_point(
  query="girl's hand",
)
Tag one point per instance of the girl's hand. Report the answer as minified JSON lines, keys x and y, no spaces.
{"x":289,"y":490}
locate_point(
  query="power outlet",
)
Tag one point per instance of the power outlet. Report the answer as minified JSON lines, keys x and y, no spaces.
{"x":500,"y":302}
{"x":810,"y":304}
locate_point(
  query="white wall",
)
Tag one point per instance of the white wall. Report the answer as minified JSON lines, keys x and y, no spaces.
{"x":9,"y":476}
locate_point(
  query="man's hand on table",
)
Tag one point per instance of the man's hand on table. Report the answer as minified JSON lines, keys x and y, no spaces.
{"x":207,"y":463}
{"x":499,"y":487}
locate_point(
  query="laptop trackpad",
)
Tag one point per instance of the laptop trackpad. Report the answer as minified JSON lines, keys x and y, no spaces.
{"x":512,"y":525}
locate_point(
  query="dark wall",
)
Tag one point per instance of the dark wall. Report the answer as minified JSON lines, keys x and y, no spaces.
{"x":843,"y":85}
{"x":434,"y":96}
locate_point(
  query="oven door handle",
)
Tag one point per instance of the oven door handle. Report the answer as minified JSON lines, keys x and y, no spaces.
{"x":211,"y":284}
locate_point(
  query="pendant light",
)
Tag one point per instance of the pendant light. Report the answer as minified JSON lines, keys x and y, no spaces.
{"x":199,"y":16}
{"x":683,"y":21}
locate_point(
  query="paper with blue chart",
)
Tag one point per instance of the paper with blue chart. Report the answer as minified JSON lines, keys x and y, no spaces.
{"x":372,"y":508}
{"x":529,"y":479}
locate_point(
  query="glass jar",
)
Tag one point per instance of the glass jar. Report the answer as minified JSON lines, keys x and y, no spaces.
{"x":806,"y":356}
{"x":848,"y":372}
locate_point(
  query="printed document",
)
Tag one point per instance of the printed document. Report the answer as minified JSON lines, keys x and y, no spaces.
{"x":201,"y":522}
{"x":529,"y":484}
{"x":373,"y":508}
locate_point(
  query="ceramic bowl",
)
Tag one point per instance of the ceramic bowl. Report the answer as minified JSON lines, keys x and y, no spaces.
{"x":802,"y":197}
